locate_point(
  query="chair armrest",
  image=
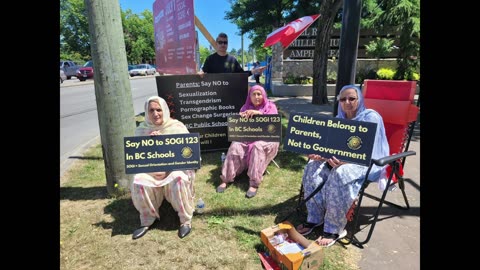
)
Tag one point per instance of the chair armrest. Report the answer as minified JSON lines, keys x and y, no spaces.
{"x":389,"y":159}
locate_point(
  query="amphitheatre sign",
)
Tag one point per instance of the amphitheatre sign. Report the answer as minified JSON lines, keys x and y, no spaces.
{"x":303,"y":47}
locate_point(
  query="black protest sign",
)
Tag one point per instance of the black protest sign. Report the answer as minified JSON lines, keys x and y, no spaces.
{"x":266,"y":127}
{"x":162,"y":153}
{"x":203,"y":104}
{"x":347,"y":140}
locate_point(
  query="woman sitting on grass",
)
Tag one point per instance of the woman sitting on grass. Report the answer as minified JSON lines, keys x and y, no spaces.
{"x":149,"y":189}
{"x":251,"y":156}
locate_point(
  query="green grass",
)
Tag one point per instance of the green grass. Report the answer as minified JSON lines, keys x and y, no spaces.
{"x":95,"y":229}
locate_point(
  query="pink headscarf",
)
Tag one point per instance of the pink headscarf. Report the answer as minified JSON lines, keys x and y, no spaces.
{"x":267,"y":107}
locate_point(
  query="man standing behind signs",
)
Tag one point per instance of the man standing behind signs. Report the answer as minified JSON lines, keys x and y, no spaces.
{"x":253,"y":156}
{"x":222,"y":62}
{"x":343,"y":180}
{"x":149,"y":189}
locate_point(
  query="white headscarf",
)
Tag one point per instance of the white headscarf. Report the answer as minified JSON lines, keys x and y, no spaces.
{"x":380,"y":146}
{"x":169,"y":125}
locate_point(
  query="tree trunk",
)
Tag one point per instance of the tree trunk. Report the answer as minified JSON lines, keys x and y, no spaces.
{"x":328,"y":12}
{"x":112,"y":89}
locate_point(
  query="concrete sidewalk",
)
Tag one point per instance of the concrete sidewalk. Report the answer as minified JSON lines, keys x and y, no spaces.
{"x":395,"y":242}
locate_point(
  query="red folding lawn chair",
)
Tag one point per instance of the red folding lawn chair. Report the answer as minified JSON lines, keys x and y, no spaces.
{"x":394,"y":101}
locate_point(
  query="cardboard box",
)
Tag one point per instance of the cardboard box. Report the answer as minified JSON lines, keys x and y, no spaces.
{"x":311,"y":257}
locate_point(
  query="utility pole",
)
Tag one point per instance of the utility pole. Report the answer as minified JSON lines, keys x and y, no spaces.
{"x":116,"y":116}
{"x":347,"y":58}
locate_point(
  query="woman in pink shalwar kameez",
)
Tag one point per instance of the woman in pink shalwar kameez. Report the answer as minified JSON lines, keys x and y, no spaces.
{"x":149,"y":189}
{"x":252,"y":156}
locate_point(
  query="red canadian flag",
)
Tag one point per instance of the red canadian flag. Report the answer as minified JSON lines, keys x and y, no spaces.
{"x":288,"y":33}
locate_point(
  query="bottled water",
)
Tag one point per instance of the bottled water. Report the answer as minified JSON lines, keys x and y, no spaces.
{"x":223,"y":157}
{"x":200,"y":206}
{"x":278,"y":238}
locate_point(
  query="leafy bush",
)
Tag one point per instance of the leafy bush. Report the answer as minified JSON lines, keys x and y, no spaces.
{"x":290,"y":79}
{"x":305,"y":80}
{"x":75,"y":57}
{"x":380,"y":47}
{"x":415,"y":77}
{"x":385,"y":74}
{"x":331,"y":76}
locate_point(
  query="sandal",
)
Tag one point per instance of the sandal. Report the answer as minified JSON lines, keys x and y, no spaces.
{"x":221,"y":188}
{"x":307,"y":225}
{"x":331,"y":236}
{"x":250,"y":194}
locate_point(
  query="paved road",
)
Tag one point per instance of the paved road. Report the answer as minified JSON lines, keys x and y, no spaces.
{"x":79,"y":117}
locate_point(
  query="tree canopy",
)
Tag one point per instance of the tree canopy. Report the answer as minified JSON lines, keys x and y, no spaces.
{"x":139,"y":36}
{"x":74,"y":35}
{"x":256,"y":19}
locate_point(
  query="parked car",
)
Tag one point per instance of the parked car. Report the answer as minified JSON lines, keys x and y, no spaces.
{"x":69,"y":68}
{"x":143,"y":70}
{"x":85,"y":72}
{"x":63,"y":77}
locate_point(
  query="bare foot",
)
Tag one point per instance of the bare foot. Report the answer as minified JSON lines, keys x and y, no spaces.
{"x":306,"y":228}
{"x":328,"y":239}
{"x":324,"y":242}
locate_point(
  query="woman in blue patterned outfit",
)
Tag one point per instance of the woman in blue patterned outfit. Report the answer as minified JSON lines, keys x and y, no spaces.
{"x":343,"y":180}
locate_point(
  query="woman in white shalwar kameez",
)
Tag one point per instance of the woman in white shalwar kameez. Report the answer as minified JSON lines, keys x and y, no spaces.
{"x":342,"y":180}
{"x":149,"y":189}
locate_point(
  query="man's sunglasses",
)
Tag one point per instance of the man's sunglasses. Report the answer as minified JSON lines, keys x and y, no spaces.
{"x":222,"y":42}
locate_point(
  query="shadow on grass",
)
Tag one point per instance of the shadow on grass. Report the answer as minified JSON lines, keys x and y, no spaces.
{"x":246,"y":230}
{"x":281,"y":209}
{"x":85,"y":157}
{"x":124,"y":215}
{"x":126,"y":218}
{"x":80,"y":193}
{"x":241,"y":181}
{"x":286,"y":160}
